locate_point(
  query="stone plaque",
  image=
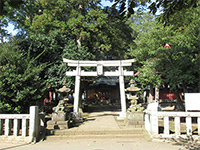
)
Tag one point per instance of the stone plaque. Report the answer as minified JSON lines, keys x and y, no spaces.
{"x":100,"y":70}
{"x":192,"y":101}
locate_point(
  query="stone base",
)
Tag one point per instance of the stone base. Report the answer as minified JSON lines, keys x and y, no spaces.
{"x":57,"y":124}
{"x":75,"y":116}
{"x":136,"y":124}
{"x":62,"y":124}
{"x":122,"y":116}
{"x":135,"y":119}
{"x":51,"y":124}
{"x":139,"y":116}
{"x":59,"y":116}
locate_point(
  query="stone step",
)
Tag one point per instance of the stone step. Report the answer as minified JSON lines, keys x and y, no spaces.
{"x":133,"y":131}
{"x":125,"y":136}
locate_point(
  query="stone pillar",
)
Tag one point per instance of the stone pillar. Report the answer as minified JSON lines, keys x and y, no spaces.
{"x":189,"y":125}
{"x":7,"y":127}
{"x":153,"y":110}
{"x":147,"y":122}
{"x":77,"y":90}
{"x":33,"y":127}
{"x":154,"y":123}
{"x":122,"y":94}
{"x":77,"y":93}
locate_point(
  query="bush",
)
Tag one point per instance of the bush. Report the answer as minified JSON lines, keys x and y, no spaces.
{"x":20,"y":84}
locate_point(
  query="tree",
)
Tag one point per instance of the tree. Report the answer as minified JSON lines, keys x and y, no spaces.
{"x":99,"y":29}
{"x":172,"y":67}
{"x":6,"y":5}
{"x":20,"y":83}
{"x":55,"y":47}
{"x":141,"y":22}
{"x":171,"y":7}
{"x":178,"y":67}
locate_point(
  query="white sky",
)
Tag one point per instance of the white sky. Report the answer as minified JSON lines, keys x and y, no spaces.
{"x":106,"y":3}
{"x":11,"y":30}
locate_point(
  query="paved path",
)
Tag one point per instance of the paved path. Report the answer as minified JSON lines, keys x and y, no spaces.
{"x":92,"y":144}
{"x":100,"y":120}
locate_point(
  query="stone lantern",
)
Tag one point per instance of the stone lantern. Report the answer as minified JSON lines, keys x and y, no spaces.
{"x":133,"y":98}
{"x":64,"y":92}
{"x":135,"y":111}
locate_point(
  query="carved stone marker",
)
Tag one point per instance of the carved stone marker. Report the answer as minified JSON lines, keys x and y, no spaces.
{"x":60,"y":110}
{"x":59,"y":119}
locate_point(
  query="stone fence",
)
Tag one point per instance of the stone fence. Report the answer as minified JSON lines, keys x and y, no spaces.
{"x":172,"y":124}
{"x":21,"y":127}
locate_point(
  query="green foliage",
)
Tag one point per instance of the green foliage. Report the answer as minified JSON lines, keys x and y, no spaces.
{"x":20,"y":84}
{"x":148,"y":73}
{"x":52,"y":15}
{"x":169,"y":8}
{"x":55,"y":47}
{"x":7,"y":5}
{"x":178,"y":66}
{"x":52,"y":47}
{"x":51,"y":44}
{"x":172,"y":8}
{"x":55,"y":74}
{"x":128,"y":7}
{"x":101,"y":30}
{"x":91,"y":26}
{"x":3,"y":25}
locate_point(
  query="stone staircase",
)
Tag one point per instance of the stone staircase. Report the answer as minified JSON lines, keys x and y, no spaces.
{"x":102,"y":124}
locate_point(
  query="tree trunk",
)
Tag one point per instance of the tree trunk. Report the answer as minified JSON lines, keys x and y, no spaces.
{"x":156,"y":93}
{"x":151,"y":94}
{"x":1,"y":34}
{"x":179,"y":101}
{"x":199,"y":73}
{"x":78,"y":40}
{"x":2,"y":39}
{"x":185,"y":90}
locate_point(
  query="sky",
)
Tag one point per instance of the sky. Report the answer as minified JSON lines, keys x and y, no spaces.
{"x":11,"y":30}
{"x":106,"y":3}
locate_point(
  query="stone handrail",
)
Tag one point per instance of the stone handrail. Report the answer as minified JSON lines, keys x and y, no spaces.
{"x":21,"y":127}
{"x":152,"y":117}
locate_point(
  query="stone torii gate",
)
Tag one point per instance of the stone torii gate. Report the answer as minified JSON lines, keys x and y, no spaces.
{"x":99,"y":72}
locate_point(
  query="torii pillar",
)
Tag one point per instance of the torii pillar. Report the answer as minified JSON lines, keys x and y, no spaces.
{"x":122,"y":114}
